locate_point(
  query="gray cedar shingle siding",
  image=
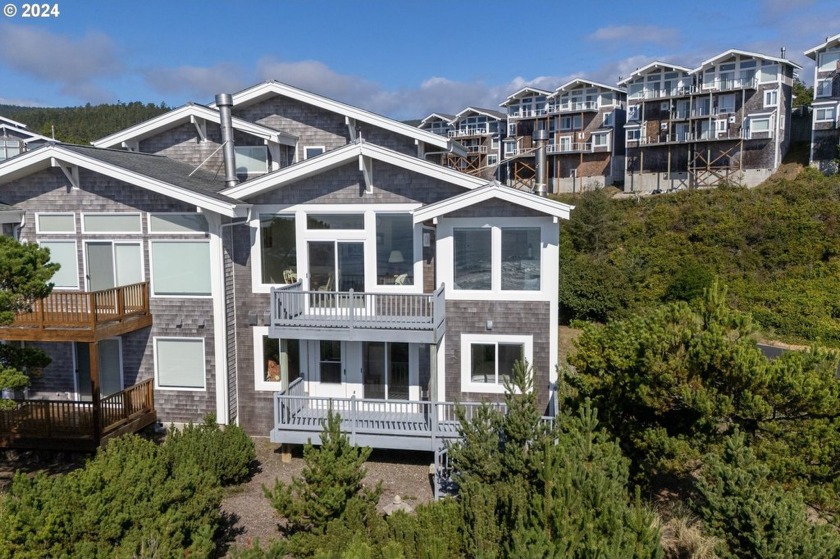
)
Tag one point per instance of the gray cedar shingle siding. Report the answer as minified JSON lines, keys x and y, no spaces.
{"x":509,"y":317}
{"x":48,"y":191}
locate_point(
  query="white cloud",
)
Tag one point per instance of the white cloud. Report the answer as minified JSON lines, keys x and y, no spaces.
{"x":74,"y":65}
{"x":635,"y":34}
{"x":199,"y":84}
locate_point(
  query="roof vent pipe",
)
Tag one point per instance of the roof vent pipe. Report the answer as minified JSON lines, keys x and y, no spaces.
{"x":784,"y":52}
{"x":225,"y":101}
{"x":540,"y":138}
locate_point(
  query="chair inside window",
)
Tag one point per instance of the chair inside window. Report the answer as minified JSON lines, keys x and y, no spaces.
{"x":400,"y":279}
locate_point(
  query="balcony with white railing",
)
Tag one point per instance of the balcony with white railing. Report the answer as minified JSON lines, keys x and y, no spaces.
{"x":349,"y":315}
{"x":575,"y":147}
{"x":727,"y":85}
{"x":472,"y":131}
{"x":705,"y":136}
{"x":472,"y":150}
{"x":569,"y":107}
{"x":523,"y":112}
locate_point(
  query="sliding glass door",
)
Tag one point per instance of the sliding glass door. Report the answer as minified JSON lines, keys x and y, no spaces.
{"x":336,"y":266}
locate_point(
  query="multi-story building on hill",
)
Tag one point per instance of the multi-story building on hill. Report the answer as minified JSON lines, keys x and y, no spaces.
{"x":726,"y":121}
{"x":825,"y":115}
{"x":269,"y":257}
{"x":16,"y":138}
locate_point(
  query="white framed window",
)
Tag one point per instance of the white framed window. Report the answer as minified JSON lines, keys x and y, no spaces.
{"x":251,"y":160}
{"x":473,"y":258}
{"x":570,"y":122}
{"x":180,"y":268}
{"x":487,"y":360}
{"x":825,"y":114}
{"x":771,"y":98}
{"x":492,"y":160}
{"x":600,"y":140}
{"x":726,"y":104}
{"x":760,"y":126}
{"x":829,"y":61}
{"x":184,"y":223}
{"x":55,"y":223}
{"x":311,"y":151}
{"x":113,"y":263}
{"x":9,"y":148}
{"x":769,"y":72}
{"x":64,"y":253}
{"x":180,"y":364}
{"x":823,"y":88}
{"x":633,"y":134}
{"x":608,"y":119}
{"x":112,"y":223}
{"x":271,"y":355}
{"x":510,"y":148}
{"x":494,"y":143}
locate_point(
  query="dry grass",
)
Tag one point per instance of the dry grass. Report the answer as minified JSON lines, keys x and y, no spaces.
{"x":681,"y":538}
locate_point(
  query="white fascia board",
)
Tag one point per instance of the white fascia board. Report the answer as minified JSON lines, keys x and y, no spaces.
{"x":506,"y":193}
{"x":41,"y":158}
{"x":476,"y":111}
{"x":14,"y":123}
{"x":590,"y":83}
{"x":266,"y":89}
{"x":182,"y":115}
{"x":522,"y":93}
{"x":439,"y":116}
{"x":653,"y":65}
{"x":744,"y":54}
{"x":30,"y":136}
{"x":812,"y":53}
{"x":342,"y":156}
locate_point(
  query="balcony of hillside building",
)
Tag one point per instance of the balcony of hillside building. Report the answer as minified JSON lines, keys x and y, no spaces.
{"x":82,"y":316}
{"x":353,"y":316}
{"x":573,"y":107}
{"x":476,"y":149}
{"x":473,"y":131}
{"x":527,"y":112}
{"x":702,"y":136}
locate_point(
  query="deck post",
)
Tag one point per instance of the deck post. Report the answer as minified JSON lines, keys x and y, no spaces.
{"x":433,"y":410}
{"x":94,"y":391}
{"x":353,"y":419}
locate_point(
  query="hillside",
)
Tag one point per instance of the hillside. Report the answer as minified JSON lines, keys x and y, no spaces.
{"x":776,"y":248}
{"x":81,"y":125}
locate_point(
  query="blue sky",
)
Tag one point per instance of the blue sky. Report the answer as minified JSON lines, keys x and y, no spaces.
{"x":404,"y":59}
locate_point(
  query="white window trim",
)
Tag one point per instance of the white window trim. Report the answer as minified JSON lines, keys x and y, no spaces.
{"x":204,"y":363}
{"x":152,"y":270}
{"x":825,"y":108}
{"x":322,"y":148}
{"x":817,"y":90}
{"x":137,"y":242}
{"x":121,"y":214}
{"x":76,"y":251}
{"x":446,"y":257}
{"x":770,"y":93}
{"x":304,"y":235}
{"x":38,"y":223}
{"x":467,"y":385}
{"x":149,"y":216}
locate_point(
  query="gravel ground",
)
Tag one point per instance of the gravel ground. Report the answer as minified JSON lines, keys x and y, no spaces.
{"x":250,"y":514}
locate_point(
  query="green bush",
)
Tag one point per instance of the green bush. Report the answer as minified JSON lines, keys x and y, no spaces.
{"x":131,"y":500}
{"x":227,"y":453}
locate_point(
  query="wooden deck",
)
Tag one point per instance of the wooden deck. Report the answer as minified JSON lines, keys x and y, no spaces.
{"x":395,"y":424}
{"x":81,"y":316}
{"x":69,"y":425}
{"x":349,"y":315}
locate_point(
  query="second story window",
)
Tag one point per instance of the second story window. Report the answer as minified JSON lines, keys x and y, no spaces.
{"x":251,"y":160}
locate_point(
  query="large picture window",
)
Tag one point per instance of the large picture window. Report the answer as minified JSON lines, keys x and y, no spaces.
{"x":394,"y":250}
{"x":473,"y":259}
{"x":179,"y":363}
{"x":487,"y":360}
{"x":251,"y":160}
{"x":64,"y":254}
{"x":521,"y":259}
{"x":181,"y":268}
{"x":278,"y":240}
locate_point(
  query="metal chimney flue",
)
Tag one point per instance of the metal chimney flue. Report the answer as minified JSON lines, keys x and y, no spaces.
{"x":224,"y":101}
{"x":784,"y":52}
{"x":541,"y":184}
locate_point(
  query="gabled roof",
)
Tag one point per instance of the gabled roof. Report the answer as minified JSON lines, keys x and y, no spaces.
{"x":153,"y":172}
{"x":493,"y":190}
{"x":745,"y":54}
{"x":28,"y":136}
{"x":577,"y":82}
{"x":269,"y":89}
{"x":524,"y":92}
{"x":498,"y":115}
{"x":439,"y":116}
{"x":188,"y":113}
{"x":829,"y":42}
{"x":655,"y":65}
{"x":342,"y":156}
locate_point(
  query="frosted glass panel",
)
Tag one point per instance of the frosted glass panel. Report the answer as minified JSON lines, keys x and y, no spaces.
{"x":128,"y":264}
{"x":180,"y":363}
{"x":64,"y":253}
{"x":112,"y":223}
{"x":181,"y":268}
{"x":177,"y":223}
{"x":56,"y":223}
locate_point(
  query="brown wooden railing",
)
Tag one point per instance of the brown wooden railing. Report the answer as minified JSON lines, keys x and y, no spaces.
{"x":45,"y":420}
{"x":86,"y":309}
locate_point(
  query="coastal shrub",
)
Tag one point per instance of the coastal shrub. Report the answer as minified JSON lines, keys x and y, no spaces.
{"x":131,"y":500}
{"x":227,"y":453}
